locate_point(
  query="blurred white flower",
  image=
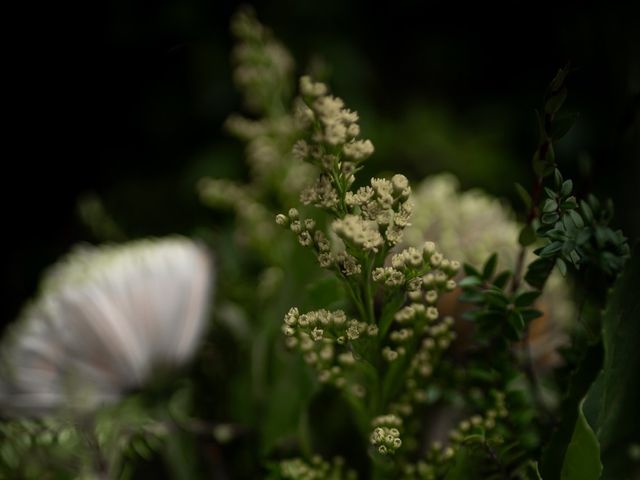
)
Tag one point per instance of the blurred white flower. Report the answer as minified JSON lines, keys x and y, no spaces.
{"x":469,"y":226}
{"x":105,"y":319}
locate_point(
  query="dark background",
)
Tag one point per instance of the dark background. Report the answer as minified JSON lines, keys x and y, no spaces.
{"x":127,"y":98}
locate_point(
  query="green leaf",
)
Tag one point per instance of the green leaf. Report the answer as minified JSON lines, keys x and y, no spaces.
{"x":554,"y":103}
{"x":490,"y":317}
{"x":524,"y":196}
{"x":529,"y":314}
{"x":582,"y":459}
{"x":496,"y":298}
{"x":516,"y":321}
{"x":577,"y":219}
{"x":501,"y":279}
{"x":527,"y":236}
{"x":550,"y":206}
{"x":580,"y":381}
{"x":586,"y":211}
{"x":471,"y":281}
{"x":550,"y":249}
{"x":617,"y":390}
{"x":562,"y":266}
{"x":558,"y":80}
{"x":470,"y":270}
{"x":562,"y":125}
{"x":550,"y":218}
{"x":538,"y":272}
{"x":490,"y":267}
{"x":526,"y":299}
{"x":557,"y":178}
{"x":567,"y":188}
{"x":550,"y":193}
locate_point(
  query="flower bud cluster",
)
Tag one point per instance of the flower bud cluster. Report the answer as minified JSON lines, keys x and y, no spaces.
{"x":389,"y":276}
{"x":385,"y":436}
{"x":421,"y":470}
{"x":332,"y":145}
{"x":321,"y":194}
{"x":414,"y":259}
{"x":335,"y":125}
{"x":310,"y":236}
{"x":355,"y":230}
{"x":323,"y":338}
{"x":417,"y":329}
{"x":260,"y":61}
{"x":425,"y":273}
{"x":480,"y":423}
{"x":386,"y":203}
{"x":437,"y":337}
{"x":315,"y":469}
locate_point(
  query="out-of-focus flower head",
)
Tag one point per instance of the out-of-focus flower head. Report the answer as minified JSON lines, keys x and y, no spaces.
{"x":106,"y":318}
{"x":468,"y":225}
{"x":263,"y":73}
{"x":472,"y":225}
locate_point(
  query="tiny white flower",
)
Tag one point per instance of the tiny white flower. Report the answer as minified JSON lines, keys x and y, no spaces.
{"x":105,"y":319}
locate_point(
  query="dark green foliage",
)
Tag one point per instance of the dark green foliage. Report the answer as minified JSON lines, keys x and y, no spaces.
{"x":500,"y":314}
{"x":578,"y":234}
{"x":616,"y":394}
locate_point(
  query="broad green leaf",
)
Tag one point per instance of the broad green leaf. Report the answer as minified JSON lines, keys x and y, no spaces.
{"x":554,"y":452}
{"x":617,"y":391}
{"x":582,"y":459}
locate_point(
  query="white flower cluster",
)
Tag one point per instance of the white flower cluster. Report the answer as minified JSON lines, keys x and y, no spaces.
{"x":385,"y":436}
{"x":424,"y":273}
{"x":338,"y":126}
{"x":386,"y":203}
{"x":332,"y":145}
{"x":356,"y":231}
{"x":323,"y":337}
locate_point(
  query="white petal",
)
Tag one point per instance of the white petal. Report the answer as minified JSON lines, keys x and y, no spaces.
{"x":106,"y":318}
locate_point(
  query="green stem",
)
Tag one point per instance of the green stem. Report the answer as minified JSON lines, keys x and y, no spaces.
{"x":356,"y":297}
{"x":368,"y":292}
